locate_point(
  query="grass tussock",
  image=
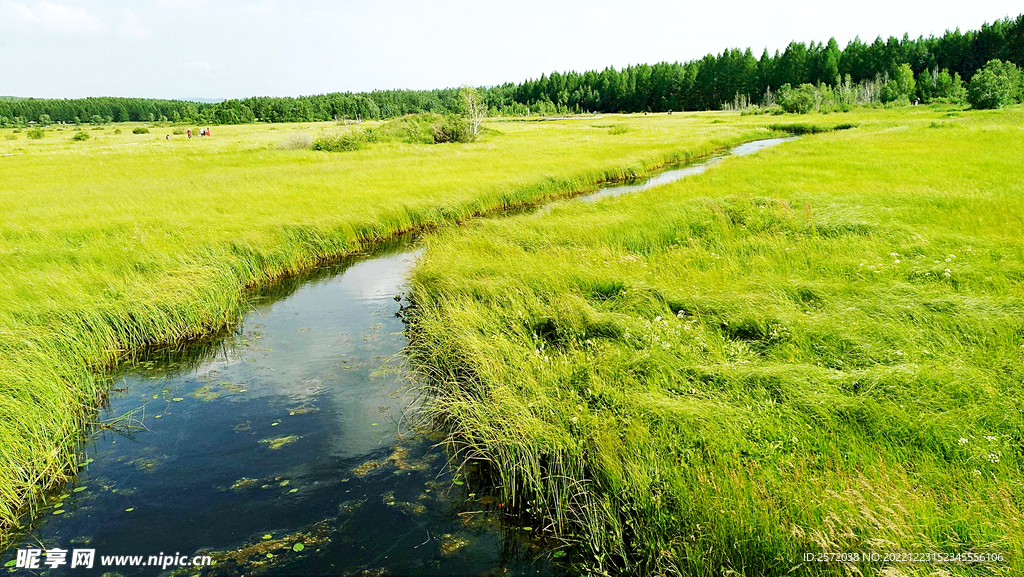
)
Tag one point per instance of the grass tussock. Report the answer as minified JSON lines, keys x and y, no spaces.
{"x":817,"y":348}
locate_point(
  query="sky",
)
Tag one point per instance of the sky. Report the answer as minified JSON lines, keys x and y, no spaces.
{"x":240,"y":48}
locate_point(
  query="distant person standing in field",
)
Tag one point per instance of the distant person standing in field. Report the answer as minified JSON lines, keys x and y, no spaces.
{"x":190,"y":133}
{"x":207,"y":132}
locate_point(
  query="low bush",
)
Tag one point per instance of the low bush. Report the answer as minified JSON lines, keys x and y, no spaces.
{"x":453,"y":129}
{"x":35,"y":133}
{"x":340,"y":142}
{"x":117,"y":131}
{"x":80,"y":136}
{"x":178,"y":131}
{"x":411,"y":128}
{"x":140,"y":130}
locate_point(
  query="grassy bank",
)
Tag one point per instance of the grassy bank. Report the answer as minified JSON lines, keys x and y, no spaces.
{"x":126,"y":239}
{"x":815,"y":349}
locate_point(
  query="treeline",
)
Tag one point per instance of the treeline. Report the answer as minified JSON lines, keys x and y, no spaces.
{"x":717,"y":80}
{"x":731,"y":78}
{"x":369,"y":105}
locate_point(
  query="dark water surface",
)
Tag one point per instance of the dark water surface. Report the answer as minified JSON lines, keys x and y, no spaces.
{"x":285,"y":448}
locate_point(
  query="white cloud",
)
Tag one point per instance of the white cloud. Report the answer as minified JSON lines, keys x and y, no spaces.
{"x":60,"y":18}
{"x":259,"y":8}
{"x":131,"y":27}
{"x":15,"y":11}
{"x":601,"y":16}
{"x":201,"y":68}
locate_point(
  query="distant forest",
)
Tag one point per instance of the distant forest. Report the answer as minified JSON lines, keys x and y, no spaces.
{"x":713,"y":82}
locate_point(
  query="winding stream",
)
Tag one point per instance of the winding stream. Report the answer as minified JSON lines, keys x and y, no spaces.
{"x":285,"y":447}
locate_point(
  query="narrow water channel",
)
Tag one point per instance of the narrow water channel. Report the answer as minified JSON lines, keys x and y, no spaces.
{"x":286,"y":448}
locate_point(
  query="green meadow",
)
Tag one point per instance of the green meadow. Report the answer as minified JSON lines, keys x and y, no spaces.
{"x":122,"y":240}
{"x":814,"y":350}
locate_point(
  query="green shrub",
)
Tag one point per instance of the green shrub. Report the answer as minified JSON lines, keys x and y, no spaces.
{"x":411,"y":128}
{"x":140,"y":130}
{"x":35,"y":133}
{"x":80,"y":136}
{"x":799,"y":100}
{"x":996,"y":85}
{"x":177,"y":131}
{"x":340,"y":142}
{"x":453,"y":129}
{"x":117,"y":131}
{"x":618,"y":129}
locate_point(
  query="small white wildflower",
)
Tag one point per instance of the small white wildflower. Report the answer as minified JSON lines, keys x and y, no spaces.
{"x":990,"y":438}
{"x":897,"y":261}
{"x":962,"y":441}
{"x":656,"y":319}
{"x":894,"y":254}
{"x":992,"y":457}
{"x":947,"y":274}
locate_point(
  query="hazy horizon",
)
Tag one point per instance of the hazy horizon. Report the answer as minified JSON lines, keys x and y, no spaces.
{"x":189,"y":50}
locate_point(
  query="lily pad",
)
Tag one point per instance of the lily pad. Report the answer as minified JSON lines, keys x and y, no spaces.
{"x":558,"y":554}
{"x":298,"y":547}
{"x":9,"y":563}
{"x":78,"y":489}
{"x":59,"y":512}
{"x":129,"y":509}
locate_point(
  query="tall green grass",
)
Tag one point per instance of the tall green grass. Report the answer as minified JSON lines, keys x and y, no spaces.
{"x":129,"y":239}
{"x":818,"y":348}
